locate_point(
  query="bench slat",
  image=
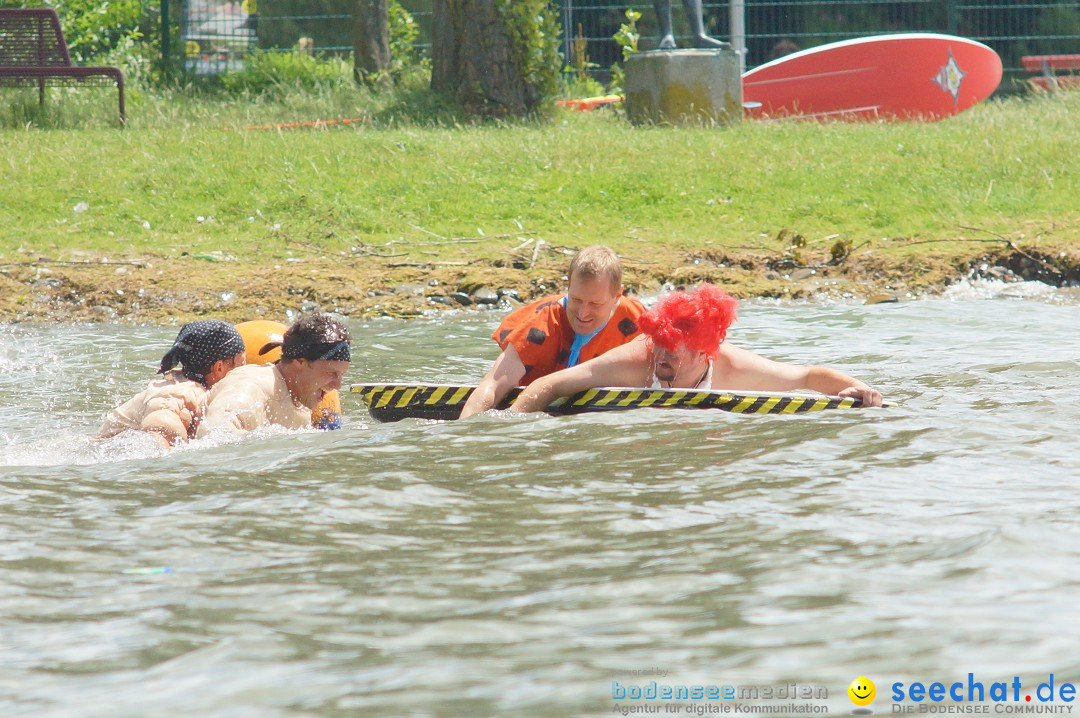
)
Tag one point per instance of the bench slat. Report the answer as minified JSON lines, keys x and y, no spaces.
{"x":1038,"y":63}
{"x":32,"y":37}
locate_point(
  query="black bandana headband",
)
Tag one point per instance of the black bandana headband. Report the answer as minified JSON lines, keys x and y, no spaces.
{"x":330,"y":351}
{"x":200,"y":344}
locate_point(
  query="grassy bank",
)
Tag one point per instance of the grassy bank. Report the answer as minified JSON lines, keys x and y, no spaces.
{"x":381,"y":202}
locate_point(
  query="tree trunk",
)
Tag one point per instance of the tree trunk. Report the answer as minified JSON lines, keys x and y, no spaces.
{"x":371,"y":40}
{"x":472,"y":60}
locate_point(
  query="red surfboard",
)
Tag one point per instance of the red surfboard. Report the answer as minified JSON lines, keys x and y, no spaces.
{"x":911,"y":76}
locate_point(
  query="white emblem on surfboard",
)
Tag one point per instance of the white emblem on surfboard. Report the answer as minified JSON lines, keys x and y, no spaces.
{"x":949,"y":78}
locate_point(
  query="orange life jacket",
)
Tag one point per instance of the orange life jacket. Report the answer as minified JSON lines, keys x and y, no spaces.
{"x":541,"y":334}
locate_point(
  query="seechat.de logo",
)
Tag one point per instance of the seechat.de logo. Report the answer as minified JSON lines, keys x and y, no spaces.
{"x":862,"y":692}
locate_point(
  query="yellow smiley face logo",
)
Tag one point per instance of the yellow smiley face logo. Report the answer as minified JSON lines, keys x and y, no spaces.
{"x":862,"y":691}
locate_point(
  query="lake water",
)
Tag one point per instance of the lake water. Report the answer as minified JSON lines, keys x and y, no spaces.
{"x":524,"y":566}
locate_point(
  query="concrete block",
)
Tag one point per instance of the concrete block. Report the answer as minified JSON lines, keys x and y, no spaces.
{"x":684,"y":87}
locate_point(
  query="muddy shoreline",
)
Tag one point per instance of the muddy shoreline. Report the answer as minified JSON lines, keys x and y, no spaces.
{"x":170,"y":290}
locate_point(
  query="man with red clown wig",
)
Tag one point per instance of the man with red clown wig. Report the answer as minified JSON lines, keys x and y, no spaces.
{"x":682,"y":347}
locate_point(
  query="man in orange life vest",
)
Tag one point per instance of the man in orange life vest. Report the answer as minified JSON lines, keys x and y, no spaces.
{"x":562,"y":330}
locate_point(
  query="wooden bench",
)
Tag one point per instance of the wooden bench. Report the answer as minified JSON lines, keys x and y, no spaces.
{"x":1048,"y":67}
{"x":33,"y":53}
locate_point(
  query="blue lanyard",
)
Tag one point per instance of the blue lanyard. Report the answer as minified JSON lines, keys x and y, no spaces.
{"x":580,"y":340}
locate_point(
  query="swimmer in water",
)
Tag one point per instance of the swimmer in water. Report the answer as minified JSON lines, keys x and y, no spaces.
{"x":314,"y":358}
{"x":171,"y":406}
{"x":682,"y":347}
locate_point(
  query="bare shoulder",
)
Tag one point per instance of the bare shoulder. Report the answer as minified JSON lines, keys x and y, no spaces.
{"x":261,"y":377}
{"x":737,"y":368}
{"x":626,"y":365}
{"x":735,"y":357}
{"x":632,"y":353}
{"x":636,"y":349}
{"x":190,"y":392}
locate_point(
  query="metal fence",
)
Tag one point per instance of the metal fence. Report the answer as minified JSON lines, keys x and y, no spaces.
{"x":1013,"y":28}
{"x":217,"y":33}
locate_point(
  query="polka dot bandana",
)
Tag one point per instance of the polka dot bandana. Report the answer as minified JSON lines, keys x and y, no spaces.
{"x":200,"y":344}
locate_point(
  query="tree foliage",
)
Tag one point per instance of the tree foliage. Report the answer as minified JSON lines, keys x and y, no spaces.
{"x":96,"y":28}
{"x":535,"y":36}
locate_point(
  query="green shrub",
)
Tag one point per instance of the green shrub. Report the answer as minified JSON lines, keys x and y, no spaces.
{"x":627,"y":38}
{"x":576,"y":86}
{"x":267,"y":71}
{"x":403,"y":35}
{"x":535,"y":38}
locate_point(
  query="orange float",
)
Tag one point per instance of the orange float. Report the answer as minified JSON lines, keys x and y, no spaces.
{"x":589,"y":103}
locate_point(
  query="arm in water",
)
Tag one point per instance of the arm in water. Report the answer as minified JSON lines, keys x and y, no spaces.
{"x":173,"y":417}
{"x":622,"y":366}
{"x":504,"y":375}
{"x":737,"y":368}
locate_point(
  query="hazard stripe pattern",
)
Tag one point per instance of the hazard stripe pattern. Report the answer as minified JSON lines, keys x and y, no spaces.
{"x":393,"y":402}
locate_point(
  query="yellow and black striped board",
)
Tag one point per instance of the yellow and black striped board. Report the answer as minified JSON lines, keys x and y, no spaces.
{"x":393,"y":402}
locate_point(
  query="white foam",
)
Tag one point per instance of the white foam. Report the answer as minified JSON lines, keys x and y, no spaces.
{"x":83,"y":449}
{"x":996,"y":289}
{"x":80,"y":449}
{"x":222,"y":436}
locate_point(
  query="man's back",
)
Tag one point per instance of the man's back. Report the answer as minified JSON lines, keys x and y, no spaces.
{"x":251,"y":396}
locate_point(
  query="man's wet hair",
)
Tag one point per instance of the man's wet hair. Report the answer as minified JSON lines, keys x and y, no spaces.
{"x":314,"y":337}
{"x":598,"y":261}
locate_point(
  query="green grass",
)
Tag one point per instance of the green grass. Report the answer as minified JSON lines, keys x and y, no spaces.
{"x":1006,"y":168}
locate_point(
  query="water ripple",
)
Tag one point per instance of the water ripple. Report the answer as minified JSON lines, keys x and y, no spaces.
{"x":512,"y":565}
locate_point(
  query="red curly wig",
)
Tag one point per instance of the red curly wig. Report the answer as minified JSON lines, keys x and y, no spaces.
{"x":697,"y":320}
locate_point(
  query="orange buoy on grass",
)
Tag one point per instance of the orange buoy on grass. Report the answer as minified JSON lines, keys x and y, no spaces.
{"x":589,"y":103}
